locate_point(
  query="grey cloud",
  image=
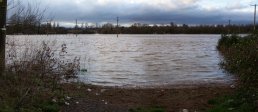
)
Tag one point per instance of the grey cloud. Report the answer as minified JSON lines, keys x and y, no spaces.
{"x":90,"y":11}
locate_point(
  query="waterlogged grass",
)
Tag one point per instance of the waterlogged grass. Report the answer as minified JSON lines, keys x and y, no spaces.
{"x":240,"y":59}
{"x":32,"y":83}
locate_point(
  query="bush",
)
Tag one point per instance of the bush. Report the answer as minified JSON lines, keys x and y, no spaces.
{"x":228,"y":40}
{"x":34,"y":77}
{"x":241,"y":59}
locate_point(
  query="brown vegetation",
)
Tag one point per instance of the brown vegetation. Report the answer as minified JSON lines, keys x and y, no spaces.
{"x":33,"y":79}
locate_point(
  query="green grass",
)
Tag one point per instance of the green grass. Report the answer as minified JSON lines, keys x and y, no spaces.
{"x":231,"y":104}
{"x":153,"y":109}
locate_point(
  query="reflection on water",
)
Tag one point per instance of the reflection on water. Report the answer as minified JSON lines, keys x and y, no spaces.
{"x":142,"y":60}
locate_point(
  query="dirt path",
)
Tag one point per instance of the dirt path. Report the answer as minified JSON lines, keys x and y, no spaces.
{"x":88,"y":98}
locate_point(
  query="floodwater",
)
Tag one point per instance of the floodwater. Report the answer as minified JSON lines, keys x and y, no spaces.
{"x":141,"y":60}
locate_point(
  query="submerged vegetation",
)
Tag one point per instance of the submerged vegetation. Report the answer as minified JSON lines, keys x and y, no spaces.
{"x":240,"y":59}
{"x":33,"y":79}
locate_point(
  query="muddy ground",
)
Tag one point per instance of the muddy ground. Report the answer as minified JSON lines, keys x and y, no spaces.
{"x":88,"y":98}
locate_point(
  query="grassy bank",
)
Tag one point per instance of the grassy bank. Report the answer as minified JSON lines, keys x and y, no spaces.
{"x":240,"y":59}
{"x":32,"y":81}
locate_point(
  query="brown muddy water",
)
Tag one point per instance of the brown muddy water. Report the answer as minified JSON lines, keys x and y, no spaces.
{"x":139,"y":60}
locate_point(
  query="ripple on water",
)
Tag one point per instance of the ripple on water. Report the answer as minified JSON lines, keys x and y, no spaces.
{"x":141,"y":60}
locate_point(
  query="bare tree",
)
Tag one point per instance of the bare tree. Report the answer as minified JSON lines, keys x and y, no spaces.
{"x":11,"y":4}
{"x":26,"y":18}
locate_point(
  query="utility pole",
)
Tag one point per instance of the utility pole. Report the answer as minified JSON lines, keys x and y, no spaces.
{"x":76,"y":27}
{"x":49,"y":26}
{"x":76,"y":24}
{"x":229,"y":26}
{"x":117,"y":20}
{"x":254,"y":15}
{"x":3,"y":10}
{"x":38,"y":28}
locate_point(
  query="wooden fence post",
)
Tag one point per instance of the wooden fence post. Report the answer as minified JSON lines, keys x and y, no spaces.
{"x":3,"y":10}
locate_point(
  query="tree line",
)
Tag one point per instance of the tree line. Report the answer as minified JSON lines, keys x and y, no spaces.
{"x":32,"y":26}
{"x":175,"y":29}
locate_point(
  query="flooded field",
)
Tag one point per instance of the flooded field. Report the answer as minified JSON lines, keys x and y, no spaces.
{"x":140,"y":60}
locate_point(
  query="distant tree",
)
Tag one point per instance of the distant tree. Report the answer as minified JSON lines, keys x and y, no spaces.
{"x":108,"y":25}
{"x":26,"y":18}
{"x":57,"y":25}
{"x":82,"y":26}
{"x":108,"y":28}
{"x":137,"y":25}
{"x":172,"y":24}
{"x":185,"y":26}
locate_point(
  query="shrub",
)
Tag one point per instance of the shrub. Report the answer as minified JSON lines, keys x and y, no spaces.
{"x":241,"y":59}
{"x":34,"y":77}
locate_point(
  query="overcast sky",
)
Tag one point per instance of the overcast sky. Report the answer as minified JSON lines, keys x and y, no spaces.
{"x":150,"y":11}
